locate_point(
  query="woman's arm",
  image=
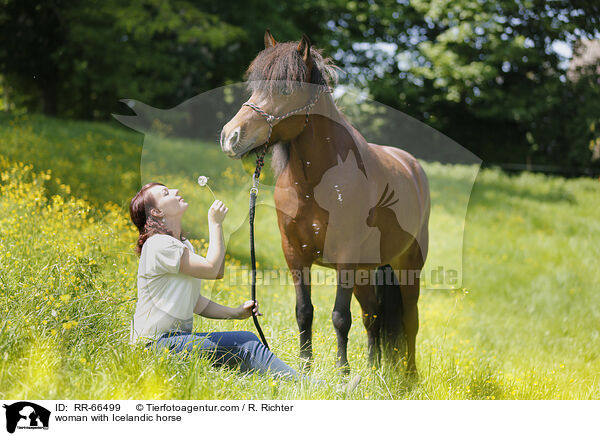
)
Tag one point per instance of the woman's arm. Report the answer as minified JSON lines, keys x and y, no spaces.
{"x":210,"y":309}
{"x":216,"y":247}
{"x":211,"y":267}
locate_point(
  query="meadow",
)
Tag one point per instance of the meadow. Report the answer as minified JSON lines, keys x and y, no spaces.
{"x":525,"y":324}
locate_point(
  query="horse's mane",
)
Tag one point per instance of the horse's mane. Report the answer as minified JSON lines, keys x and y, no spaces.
{"x":280,"y":157}
{"x":282,"y":65}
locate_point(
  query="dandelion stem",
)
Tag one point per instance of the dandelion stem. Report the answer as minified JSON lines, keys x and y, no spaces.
{"x":211,"y":191}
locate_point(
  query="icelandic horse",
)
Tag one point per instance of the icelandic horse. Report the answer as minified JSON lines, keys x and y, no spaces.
{"x":360,"y":208}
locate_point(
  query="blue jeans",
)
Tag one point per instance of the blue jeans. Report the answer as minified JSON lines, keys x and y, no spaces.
{"x":239,"y":349}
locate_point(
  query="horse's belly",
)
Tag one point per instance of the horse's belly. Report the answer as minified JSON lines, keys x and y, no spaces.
{"x":351,"y":243}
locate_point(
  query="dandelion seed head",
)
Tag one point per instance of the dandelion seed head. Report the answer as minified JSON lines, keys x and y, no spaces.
{"x":202,"y":180}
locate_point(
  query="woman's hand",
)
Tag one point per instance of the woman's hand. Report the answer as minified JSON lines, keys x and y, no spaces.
{"x":217,"y":212}
{"x":245,"y":310}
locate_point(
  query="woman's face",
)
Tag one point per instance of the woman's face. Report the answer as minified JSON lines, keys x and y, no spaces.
{"x":168,"y":201}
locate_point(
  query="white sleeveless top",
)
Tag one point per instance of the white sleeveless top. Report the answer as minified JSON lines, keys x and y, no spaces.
{"x":166,"y":298}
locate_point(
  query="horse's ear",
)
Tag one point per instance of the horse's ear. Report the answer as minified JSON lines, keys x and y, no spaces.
{"x":269,"y":40}
{"x":304,"y":49}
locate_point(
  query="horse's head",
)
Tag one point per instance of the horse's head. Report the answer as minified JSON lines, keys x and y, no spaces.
{"x":279,"y":79}
{"x":382,"y":204}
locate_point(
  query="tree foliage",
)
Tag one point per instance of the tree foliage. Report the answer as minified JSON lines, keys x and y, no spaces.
{"x":485,"y":73}
{"x":77,"y":58}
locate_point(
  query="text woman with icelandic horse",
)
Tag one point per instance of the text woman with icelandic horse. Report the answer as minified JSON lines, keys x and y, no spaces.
{"x":341,"y":202}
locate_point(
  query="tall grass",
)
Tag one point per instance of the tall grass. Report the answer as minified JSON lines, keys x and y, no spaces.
{"x":524,"y":325}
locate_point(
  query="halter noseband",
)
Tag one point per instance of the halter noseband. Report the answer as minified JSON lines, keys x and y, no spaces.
{"x":272,"y":119}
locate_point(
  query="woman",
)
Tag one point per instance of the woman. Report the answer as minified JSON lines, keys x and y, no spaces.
{"x":169,"y":277}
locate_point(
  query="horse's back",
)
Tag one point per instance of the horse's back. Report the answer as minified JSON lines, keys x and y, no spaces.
{"x":399,"y":163}
{"x":405,"y":174}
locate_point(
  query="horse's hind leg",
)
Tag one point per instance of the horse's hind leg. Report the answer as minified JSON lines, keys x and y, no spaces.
{"x":365,"y":294}
{"x":410,"y":289}
{"x":342,"y":320}
{"x":410,"y":318}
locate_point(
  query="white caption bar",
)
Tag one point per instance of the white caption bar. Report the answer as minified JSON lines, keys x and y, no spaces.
{"x":275,"y":417}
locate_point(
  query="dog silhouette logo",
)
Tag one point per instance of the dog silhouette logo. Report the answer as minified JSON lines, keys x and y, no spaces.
{"x":26,"y":415}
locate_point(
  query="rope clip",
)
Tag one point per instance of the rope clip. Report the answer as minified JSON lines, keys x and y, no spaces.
{"x":254,"y":188}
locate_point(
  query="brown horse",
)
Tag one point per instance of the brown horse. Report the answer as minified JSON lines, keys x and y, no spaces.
{"x":341,"y":202}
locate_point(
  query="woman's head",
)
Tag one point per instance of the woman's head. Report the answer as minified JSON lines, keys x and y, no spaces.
{"x":154,"y":210}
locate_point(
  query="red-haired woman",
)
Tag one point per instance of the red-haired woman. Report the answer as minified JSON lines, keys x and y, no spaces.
{"x":169,"y":277}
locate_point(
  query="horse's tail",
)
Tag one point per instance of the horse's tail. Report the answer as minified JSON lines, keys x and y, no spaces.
{"x":389,"y":298}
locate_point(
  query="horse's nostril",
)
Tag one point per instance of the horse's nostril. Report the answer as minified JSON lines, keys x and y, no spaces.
{"x":234,"y":138}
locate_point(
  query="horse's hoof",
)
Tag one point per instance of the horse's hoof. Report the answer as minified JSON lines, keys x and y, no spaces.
{"x":412,"y":375}
{"x":374,"y":363}
{"x":305,"y":364}
{"x":346,"y":388}
{"x":344,"y":369}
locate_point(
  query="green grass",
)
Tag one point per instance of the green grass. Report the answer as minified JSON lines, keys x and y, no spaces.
{"x":524,"y":324}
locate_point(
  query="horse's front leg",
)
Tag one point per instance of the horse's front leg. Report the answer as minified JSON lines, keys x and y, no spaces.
{"x":304,"y":312}
{"x":342,"y":318}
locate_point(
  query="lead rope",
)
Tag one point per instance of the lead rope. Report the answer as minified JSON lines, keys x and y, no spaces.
{"x":253,"y":193}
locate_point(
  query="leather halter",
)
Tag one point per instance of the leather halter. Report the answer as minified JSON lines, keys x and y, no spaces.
{"x":272,"y":119}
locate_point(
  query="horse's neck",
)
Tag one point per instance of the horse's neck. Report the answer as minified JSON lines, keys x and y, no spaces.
{"x":317,"y":147}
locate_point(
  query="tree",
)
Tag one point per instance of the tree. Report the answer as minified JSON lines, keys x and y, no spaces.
{"x":484,"y":73}
{"x":29,"y":62}
{"x":78,"y":58}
